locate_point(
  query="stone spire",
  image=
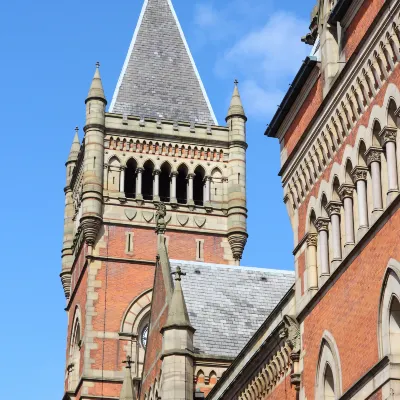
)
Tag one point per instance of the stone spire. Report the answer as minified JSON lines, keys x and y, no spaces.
{"x":96,"y":88}
{"x":159,"y":78}
{"x":236,"y":108}
{"x":178,"y":315}
{"x":127,"y":391}
{"x":75,"y":147}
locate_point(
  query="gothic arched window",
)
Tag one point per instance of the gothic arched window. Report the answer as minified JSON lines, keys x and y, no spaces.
{"x":147,"y":180}
{"x":198,"y":186}
{"x":165,"y":183}
{"x":181,"y":184}
{"x":130,"y":179}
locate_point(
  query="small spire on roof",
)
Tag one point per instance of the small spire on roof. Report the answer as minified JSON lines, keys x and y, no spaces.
{"x":75,"y":147}
{"x":178,"y":315}
{"x":127,"y":391}
{"x":96,"y":88}
{"x":236,"y":107}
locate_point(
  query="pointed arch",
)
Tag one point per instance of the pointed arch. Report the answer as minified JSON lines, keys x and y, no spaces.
{"x":389,"y":312}
{"x":182,"y":184}
{"x":75,"y":350}
{"x":130,"y":178}
{"x":198,"y":186}
{"x":328,"y":382}
{"x":147,"y":180}
{"x":217,"y":192}
{"x":165,"y":182}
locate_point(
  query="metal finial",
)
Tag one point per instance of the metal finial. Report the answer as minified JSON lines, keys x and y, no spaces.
{"x":236,"y":82}
{"x":97,"y":64}
{"x":128,"y":362}
{"x":76,"y":129}
{"x":178,"y":273}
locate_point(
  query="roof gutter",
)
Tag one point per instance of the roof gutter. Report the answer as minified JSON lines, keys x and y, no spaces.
{"x":291,"y":96}
{"x":339,"y":11}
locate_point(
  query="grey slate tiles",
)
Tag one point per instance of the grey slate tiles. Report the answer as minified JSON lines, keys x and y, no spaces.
{"x":227,"y":304}
{"x":159,"y":79}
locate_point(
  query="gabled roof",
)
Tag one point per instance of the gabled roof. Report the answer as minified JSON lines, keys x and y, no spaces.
{"x":159,"y":78}
{"x":227,"y":304}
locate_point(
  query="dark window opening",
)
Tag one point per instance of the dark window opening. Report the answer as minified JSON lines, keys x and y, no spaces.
{"x":147,"y":181}
{"x":165,"y":183}
{"x":198,"y":186}
{"x":181,"y":184}
{"x":130,"y":179}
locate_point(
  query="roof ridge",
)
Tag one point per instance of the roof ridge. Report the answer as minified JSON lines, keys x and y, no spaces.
{"x":240,"y":267}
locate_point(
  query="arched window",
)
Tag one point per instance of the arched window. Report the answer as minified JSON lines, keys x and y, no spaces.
{"x":328,"y":385}
{"x":74,"y":354}
{"x":312,"y":241}
{"x":217,"y":186}
{"x":165,"y":183}
{"x":114,"y":171}
{"x":130,"y":179}
{"x":198,"y":186}
{"x":394,"y":327}
{"x":147,"y":180}
{"x":182,"y":184}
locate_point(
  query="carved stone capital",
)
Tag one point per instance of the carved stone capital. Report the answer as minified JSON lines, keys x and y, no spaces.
{"x":90,"y":227}
{"x":346,"y":190}
{"x":122,"y":168}
{"x":359,"y":174}
{"x":156,"y":172}
{"x":388,"y":134}
{"x":373,"y":154}
{"x":312,"y":240}
{"x":174,"y":173}
{"x":190,"y":176}
{"x":237,"y":242}
{"x":333,"y":207}
{"x":322,"y":224}
{"x":139,"y":170}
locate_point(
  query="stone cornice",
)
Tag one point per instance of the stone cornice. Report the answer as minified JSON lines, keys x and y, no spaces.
{"x":351,"y":256}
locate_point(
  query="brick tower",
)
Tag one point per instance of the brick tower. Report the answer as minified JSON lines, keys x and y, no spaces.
{"x":159,"y":141}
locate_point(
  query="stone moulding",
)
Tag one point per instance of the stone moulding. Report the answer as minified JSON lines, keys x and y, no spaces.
{"x":281,"y":361}
{"x":329,"y":133}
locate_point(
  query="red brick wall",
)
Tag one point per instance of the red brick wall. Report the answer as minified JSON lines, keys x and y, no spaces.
{"x":349,"y":311}
{"x":283,"y":391}
{"x":376,"y":396}
{"x":360,"y":24}
{"x":304,"y":117}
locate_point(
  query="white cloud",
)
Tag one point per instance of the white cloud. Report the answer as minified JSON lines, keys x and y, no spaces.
{"x":205,"y":15}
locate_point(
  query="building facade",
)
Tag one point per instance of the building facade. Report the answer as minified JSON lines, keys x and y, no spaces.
{"x":155,"y":225}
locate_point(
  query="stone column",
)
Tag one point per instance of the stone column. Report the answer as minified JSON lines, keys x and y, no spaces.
{"x":156,"y":185}
{"x":322,"y":227}
{"x":359,"y":175}
{"x":105,"y":176}
{"x":388,"y":136}
{"x":173,"y":176}
{"x":346,"y":195}
{"x":374,"y":162}
{"x":333,"y":210}
{"x":312,"y":240}
{"x":122,"y":180}
{"x":139,"y":172}
{"x":190,"y":189}
{"x":207,"y":189}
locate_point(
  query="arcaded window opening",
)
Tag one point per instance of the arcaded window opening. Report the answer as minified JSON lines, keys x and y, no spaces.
{"x":198,"y":186}
{"x":147,"y":180}
{"x":182,"y":184}
{"x":329,"y":384}
{"x":165,"y":183}
{"x":130,"y":179}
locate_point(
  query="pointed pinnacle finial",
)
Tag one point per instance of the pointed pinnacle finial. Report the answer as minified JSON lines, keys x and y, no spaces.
{"x":236,"y":107}
{"x":128,"y":390}
{"x":178,"y":274}
{"x":76,"y":129}
{"x":96,"y":88}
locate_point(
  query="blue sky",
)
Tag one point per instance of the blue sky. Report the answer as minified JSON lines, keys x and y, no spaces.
{"x":49,"y":50}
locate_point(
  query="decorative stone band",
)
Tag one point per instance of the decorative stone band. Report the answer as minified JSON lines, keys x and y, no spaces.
{"x":359,"y":174}
{"x":373,"y":154}
{"x":322,"y":224}
{"x":346,"y":191}
{"x":283,"y":359}
{"x":388,"y":134}
{"x":237,"y":241}
{"x":312,"y":240}
{"x":333,"y":207}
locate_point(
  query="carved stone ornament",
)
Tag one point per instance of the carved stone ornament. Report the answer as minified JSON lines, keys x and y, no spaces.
{"x":388,"y":134}
{"x":333,"y":207}
{"x":312,"y":240}
{"x":346,"y":190}
{"x":200,"y":221}
{"x":237,"y":242}
{"x":130,"y":213}
{"x":148,"y":216}
{"x":160,"y":217}
{"x":183,"y":219}
{"x":322,"y":224}
{"x":373,"y":155}
{"x":359,"y":174}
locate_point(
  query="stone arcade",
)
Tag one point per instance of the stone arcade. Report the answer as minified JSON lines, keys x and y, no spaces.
{"x":171,"y":314}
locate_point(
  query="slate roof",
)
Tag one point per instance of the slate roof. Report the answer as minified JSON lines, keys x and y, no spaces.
{"x":227,"y":304}
{"x":159,"y":78}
